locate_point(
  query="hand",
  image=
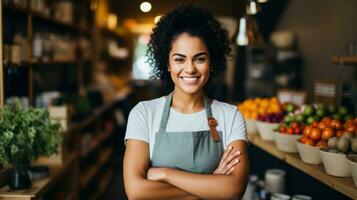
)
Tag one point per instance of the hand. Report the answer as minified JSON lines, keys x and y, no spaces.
{"x":228,"y":162}
{"x":156,"y":174}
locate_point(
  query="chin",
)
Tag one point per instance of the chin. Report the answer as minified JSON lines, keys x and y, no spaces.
{"x":190,"y":90}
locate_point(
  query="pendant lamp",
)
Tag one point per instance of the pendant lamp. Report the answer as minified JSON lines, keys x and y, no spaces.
{"x":253,"y":7}
{"x":242,"y":38}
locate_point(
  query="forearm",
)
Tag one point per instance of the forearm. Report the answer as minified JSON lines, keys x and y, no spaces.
{"x":146,"y":189}
{"x":206,"y":186}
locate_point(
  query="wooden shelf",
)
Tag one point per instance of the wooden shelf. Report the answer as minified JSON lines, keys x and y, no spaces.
{"x":89,"y":174}
{"x":343,"y":185}
{"x":104,"y":184}
{"x":96,"y":141}
{"x":344,"y":60}
{"x":43,"y":17}
{"x":69,"y":62}
{"x":15,"y":8}
{"x":39,"y":187}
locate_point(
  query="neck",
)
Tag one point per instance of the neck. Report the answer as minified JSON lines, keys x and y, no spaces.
{"x":187,"y":103}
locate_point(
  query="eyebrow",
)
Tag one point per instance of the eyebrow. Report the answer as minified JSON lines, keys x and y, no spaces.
{"x":182,"y":55}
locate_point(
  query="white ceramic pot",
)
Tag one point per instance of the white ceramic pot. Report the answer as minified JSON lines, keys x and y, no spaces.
{"x":309,"y":154}
{"x":335,"y":164}
{"x":286,"y":142}
{"x":266,"y":130}
{"x":353,"y":166}
{"x":251,"y":126}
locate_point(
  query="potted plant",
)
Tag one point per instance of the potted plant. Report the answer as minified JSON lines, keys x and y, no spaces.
{"x":25,"y":134}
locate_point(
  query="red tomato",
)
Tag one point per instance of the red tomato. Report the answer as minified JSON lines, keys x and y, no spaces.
{"x":336,"y":124}
{"x":290,"y":131}
{"x":282,"y":129}
{"x":326,"y":120}
{"x":315,"y":134}
{"x":307,"y":131}
{"x":339,"y":133}
{"x":309,"y":142}
{"x":327,"y":133}
{"x":322,"y":125}
{"x":294,"y":125}
{"x":303,"y":139}
{"x":351,"y":128}
{"x":314,"y":124}
{"x":321,"y":144}
{"x":297,"y":131}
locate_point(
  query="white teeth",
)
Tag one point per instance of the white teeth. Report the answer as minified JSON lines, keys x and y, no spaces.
{"x":189,"y":78}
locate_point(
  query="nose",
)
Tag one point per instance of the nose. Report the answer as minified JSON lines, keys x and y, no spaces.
{"x":190,"y":68}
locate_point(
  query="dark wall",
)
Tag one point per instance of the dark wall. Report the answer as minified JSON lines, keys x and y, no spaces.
{"x":323,"y":29}
{"x":130,"y":9}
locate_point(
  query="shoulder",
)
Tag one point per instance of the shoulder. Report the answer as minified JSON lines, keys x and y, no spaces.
{"x":149,"y":106}
{"x":224,"y":107}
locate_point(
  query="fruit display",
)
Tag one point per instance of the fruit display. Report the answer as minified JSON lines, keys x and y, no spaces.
{"x":308,"y":114}
{"x":271,"y":117}
{"x":319,"y":133}
{"x":253,"y":108}
{"x":293,"y":128}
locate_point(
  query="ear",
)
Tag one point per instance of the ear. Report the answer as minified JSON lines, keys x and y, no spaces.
{"x":168,"y":68}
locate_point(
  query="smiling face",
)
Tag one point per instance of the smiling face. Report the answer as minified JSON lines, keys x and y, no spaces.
{"x":189,"y":64}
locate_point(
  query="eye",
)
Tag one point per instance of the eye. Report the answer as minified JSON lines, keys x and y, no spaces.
{"x":179,"y":60}
{"x":200,"y":59}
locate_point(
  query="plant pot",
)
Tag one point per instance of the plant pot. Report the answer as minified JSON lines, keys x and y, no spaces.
{"x":20,"y":178}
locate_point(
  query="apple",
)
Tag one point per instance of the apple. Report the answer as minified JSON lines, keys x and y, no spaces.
{"x":342,"y":110}
{"x":309,"y":110}
{"x":332,"y":109}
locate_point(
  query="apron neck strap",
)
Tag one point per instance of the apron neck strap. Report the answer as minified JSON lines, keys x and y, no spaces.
{"x":166,"y":111}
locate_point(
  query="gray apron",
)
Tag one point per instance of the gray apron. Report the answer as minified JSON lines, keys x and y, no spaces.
{"x":198,"y":151}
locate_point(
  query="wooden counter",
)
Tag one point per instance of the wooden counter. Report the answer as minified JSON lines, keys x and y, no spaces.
{"x":343,"y":185}
{"x":39,"y":187}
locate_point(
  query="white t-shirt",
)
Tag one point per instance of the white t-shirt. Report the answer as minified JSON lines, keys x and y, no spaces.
{"x":144,"y":121}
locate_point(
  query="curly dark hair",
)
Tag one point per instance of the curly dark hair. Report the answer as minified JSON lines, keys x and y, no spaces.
{"x":195,"y":21}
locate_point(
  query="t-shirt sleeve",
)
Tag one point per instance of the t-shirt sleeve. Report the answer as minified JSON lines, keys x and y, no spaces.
{"x":239,"y":129}
{"x":137,"y":126}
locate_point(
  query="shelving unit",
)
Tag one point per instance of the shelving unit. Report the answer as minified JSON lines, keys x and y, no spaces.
{"x":344,"y":60}
{"x":34,"y":19}
{"x":85,"y":163}
{"x":343,"y":185}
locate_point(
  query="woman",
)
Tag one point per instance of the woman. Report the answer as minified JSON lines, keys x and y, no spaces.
{"x":175,"y":144}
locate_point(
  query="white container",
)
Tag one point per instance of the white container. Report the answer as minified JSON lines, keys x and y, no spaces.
{"x":251,"y":126}
{"x":280,"y":196}
{"x":335,"y":164}
{"x":275,"y":180}
{"x":309,"y":154}
{"x":286,"y":142}
{"x":266,"y":130}
{"x":353,"y":167}
{"x":301,"y":197}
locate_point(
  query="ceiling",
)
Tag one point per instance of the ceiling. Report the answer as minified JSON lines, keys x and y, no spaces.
{"x":130,"y":8}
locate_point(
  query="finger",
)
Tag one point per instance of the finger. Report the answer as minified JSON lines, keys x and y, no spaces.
{"x":230,"y":171}
{"x":226,"y":153}
{"x":230,"y":157}
{"x":233,"y":163}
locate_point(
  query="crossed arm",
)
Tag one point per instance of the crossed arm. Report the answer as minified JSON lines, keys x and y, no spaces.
{"x":143,"y":182}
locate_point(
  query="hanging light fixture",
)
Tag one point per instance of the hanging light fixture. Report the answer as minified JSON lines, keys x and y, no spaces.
{"x":249,"y":32}
{"x":263,"y":1}
{"x":242,"y":38}
{"x":253,"y":7}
